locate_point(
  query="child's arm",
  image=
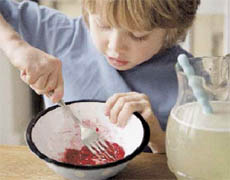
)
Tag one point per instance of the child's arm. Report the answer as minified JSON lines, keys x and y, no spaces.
{"x":38,"y":69}
{"x":120,"y":107}
{"x":44,"y":28}
{"x":157,"y":135}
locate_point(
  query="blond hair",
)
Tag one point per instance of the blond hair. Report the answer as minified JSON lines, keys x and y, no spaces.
{"x":176,"y":16}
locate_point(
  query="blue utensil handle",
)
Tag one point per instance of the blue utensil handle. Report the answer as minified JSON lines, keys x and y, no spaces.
{"x":196,"y":83}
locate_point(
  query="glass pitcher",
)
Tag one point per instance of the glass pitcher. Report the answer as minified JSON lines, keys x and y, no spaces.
{"x":198,"y":144}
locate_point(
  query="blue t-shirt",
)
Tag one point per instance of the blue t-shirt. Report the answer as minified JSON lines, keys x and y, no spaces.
{"x":86,"y":73}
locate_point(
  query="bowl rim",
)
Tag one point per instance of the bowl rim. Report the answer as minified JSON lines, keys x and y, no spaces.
{"x":42,"y":156}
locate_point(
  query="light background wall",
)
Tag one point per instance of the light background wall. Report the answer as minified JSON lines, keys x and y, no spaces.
{"x":15,"y":104}
{"x":208,"y":30}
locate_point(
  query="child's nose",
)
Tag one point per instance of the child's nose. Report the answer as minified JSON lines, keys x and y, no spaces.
{"x":117,"y":41}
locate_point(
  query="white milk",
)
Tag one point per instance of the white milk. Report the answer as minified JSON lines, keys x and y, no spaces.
{"x":198,"y":145}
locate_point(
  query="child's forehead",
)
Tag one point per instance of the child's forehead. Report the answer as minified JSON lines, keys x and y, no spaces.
{"x":117,"y":14}
{"x":102,"y":20}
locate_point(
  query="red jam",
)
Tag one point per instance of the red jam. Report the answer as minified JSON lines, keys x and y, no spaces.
{"x":85,"y":157}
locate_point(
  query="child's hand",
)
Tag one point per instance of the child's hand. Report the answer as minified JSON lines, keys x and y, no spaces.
{"x":41,"y":71}
{"x":121,"y":106}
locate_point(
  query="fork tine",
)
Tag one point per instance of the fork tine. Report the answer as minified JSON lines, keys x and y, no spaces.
{"x":99,"y":151}
{"x":102,"y":141}
{"x":93,"y":151}
{"x":103,"y":150}
{"x":94,"y":146}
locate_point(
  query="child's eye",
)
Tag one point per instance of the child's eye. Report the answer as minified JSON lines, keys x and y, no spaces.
{"x":142,"y":38}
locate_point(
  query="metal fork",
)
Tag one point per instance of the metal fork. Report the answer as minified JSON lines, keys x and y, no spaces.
{"x":89,"y":136}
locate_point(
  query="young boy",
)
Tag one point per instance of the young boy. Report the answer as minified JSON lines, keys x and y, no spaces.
{"x":123,"y":52}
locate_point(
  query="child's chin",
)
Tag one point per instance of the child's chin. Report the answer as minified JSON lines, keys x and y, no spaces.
{"x":121,"y":68}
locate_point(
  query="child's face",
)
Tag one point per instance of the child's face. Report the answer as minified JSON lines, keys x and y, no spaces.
{"x":124,"y":49}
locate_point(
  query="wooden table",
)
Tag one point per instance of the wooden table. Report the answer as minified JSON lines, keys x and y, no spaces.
{"x":18,"y":163}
